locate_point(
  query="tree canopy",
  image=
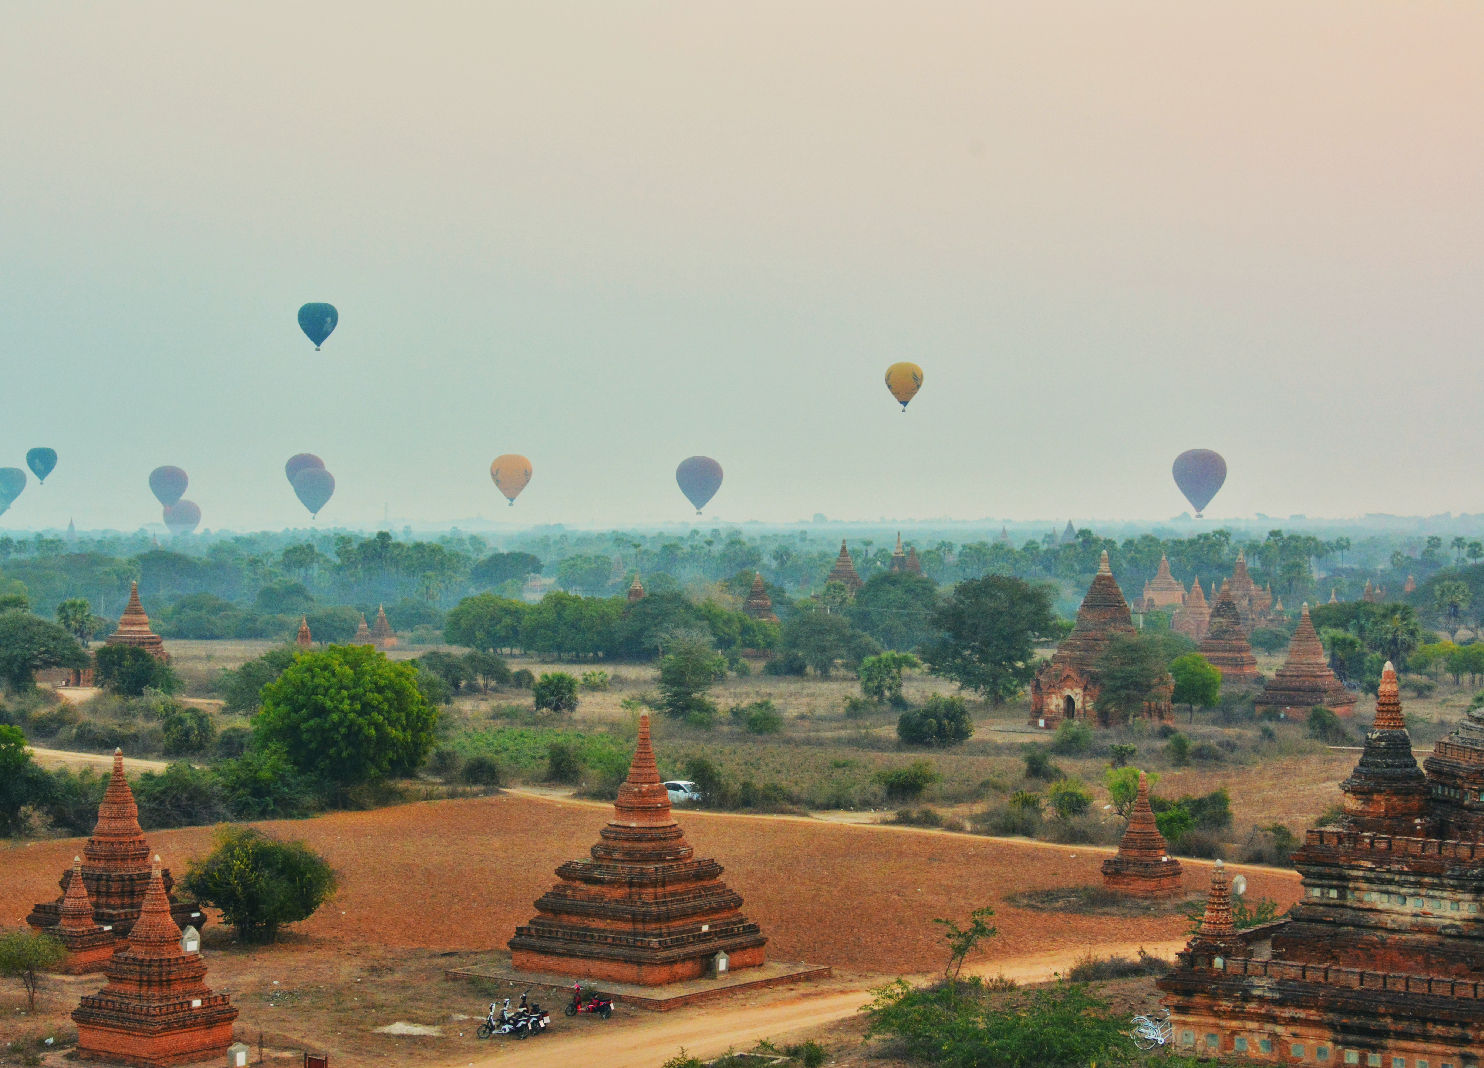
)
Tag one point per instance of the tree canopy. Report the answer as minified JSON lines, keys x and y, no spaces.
{"x":988,"y":628}
{"x":29,"y":644}
{"x":260,"y":883}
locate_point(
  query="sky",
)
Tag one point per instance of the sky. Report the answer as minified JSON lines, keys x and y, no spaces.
{"x":612,"y":236}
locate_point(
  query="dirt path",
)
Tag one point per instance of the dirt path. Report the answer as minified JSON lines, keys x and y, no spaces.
{"x":63,"y":758}
{"x":710,"y":1030}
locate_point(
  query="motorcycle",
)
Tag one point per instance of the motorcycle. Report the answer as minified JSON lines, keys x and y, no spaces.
{"x":601,"y":1006}
{"x":503,"y":1024}
{"x":530,"y":1019}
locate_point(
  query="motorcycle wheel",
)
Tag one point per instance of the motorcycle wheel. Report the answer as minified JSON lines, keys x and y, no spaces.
{"x":484,"y":1031}
{"x":522,"y":1032}
{"x":571,"y":1010}
{"x":607,"y":1011}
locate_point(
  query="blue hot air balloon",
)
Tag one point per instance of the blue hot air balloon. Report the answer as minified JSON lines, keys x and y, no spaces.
{"x":318,"y":322}
{"x":1199,"y":473}
{"x":699,"y":478}
{"x":41,"y":462}
{"x":168,"y":484}
{"x":12,"y":482}
{"x":182,"y":517}
{"x":314,"y":487}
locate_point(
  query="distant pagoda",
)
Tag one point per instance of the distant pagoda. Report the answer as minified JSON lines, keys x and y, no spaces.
{"x":133,"y":628}
{"x":1305,"y":680}
{"x":1194,"y":615}
{"x":844,"y":571}
{"x":363,"y":634}
{"x":382,"y":635}
{"x":1225,"y":645}
{"x":1069,"y":535}
{"x":643,"y":910}
{"x":1164,"y":590}
{"x":898,"y":556}
{"x":304,"y":639}
{"x":636,"y":590}
{"x":1143,"y":866}
{"x":914,"y":565}
{"x":759,"y":605}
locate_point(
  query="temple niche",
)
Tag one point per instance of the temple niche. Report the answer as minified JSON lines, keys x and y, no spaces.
{"x":133,"y":629}
{"x":1378,"y":961}
{"x":643,"y":910}
{"x":759,"y":605}
{"x":1194,"y":614}
{"x":844,"y":571}
{"x":1225,"y":645}
{"x":115,"y":875}
{"x":1305,"y":679}
{"x":1066,"y":686}
{"x":1163,"y":591}
{"x":1143,"y":866}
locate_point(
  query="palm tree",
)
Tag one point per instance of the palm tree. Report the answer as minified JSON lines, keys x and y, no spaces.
{"x":1458,"y":545}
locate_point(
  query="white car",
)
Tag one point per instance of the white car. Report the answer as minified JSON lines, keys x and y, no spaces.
{"x":682,"y":790}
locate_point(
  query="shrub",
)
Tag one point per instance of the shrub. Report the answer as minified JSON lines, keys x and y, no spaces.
{"x":1068,"y":798}
{"x":260,"y":883}
{"x":881,"y":675}
{"x":233,"y":742}
{"x":28,"y":957}
{"x":1205,"y":751}
{"x":242,"y":686}
{"x":262,"y":784}
{"x":1174,"y":823}
{"x":1120,"y":753}
{"x":597,"y":681}
{"x":1027,"y":799}
{"x":1010,"y":819}
{"x":129,"y":670}
{"x":1324,"y":725}
{"x":859,"y":707}
{"x":810,"y":1054}
{"x":555,"y":692}
{"x":763,"y":718}
{"x":563,"y":763}
{"x":187,"y":730}
{"x":522,"y":679}
{"x":1092,"y":969}
{"x":481,"y":770}
{"x":1177,"y":749}
{"x":1072,"y":738}
{"x":1199,"y":844}
{"x":1273,"y":844}
{"x":687,"y":671}
{"x":1270,"y":639}
{"x":179,"y":796}
{"x":908,"y":783}
{"x":1038,"y":764}
{"x":940,"y":721}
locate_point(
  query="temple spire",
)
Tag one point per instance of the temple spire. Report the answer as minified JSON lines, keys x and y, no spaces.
{"x":1103,"y":566}
{"x":1216,"y":924}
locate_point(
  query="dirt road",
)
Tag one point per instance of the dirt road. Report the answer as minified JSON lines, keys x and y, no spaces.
{"x":62,"y":758}
{"x":710,"y":1030}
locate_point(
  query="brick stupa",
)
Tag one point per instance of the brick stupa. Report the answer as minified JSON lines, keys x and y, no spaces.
{"x":304,"y":639}
{"x":88,"y":945}
{"x":1164,"y":590}
{"x":636,"y":590}
{"x":643,"y":910}
{"x":759,"y":605}
{"x":1305,"y":680}
{"x":1194,"y":615}
{"x":133,"y":628}
{"x":115,"y":874}
{"x":382,"y":635}
{"x":914,"y":565}
{"x":156,"y":1008}
{"x":1143,"y":866}
{"x":898,"y":556}
{"x":363,"y":634}
{"x":1225,"y":644}
{"x":844,"y":571}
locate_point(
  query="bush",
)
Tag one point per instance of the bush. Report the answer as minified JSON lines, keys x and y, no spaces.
{"x":595,"y":680}
{"x":233,"y":742}
{"x":859,"y":707}
{"x":1205,"y":751}
{"x":563,"y":763}
{"x":1121,"y":753}
{"x":187,"y":730}
{"x":555,"y":692}
{"x":1269,"y":639}
{"x":761,"y":717}
{"x":262,"y":784}
{"x":481,"y":771}
{"x":179,"y":796}
{"x":1174,"y":823}
{"x":1068,"y":798}
{"x":940,"y":721}
{"x":28,"y":957}
{"x":810,"y":1054}
{"x":907,"y":784}
{"x":1092,"y":969}
{"x":1273,"y":844}
{"x":242,"y":686}
{"x":687,"y":671}
{"x":1010,"y":819}
{"x":129,"y":670}
{"x":1072,"y":738}
{"x":1199,"y":844}
{"x":260,"y":884}
{"x":522,"y":679}
{"x":1038,"y":764}
{"x":1324,"y":725}
{"x":1177,"y":750}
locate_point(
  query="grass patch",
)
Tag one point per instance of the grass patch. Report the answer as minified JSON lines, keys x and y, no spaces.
{"x":1096,"y":901}
{"x":1092,"y":969}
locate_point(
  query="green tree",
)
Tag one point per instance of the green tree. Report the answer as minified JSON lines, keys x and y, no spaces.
{"x":988,"y":628}
{"x":1451,"y":597}
{"x":29,"y":644}
{"x":585,"y":573}
{"x":821,"y":639}
{"x":1123,"y":787}
{"x":1068,"y":798}
{"x":347,"y":714}
{"x":129,"y":670}
{"x":896,"y":608}
{"x":1324,"y":725}
{"x":1196,"y":682}
{"x":963,"y":941}
{"x":881,"y":676}
{"x":22,"y":783}
{"x":555,"y":691}
{"x":1178,"y":750}
{"x":942,"y":720}
{"x":500,"y":568}
{"x":187,"y":730}
{"x":28,"y":957}
{"x":242,"y":686}
{"x":687,"y":672}
{"x":259,"y":883}
{"x":908,"y":783}
{"x":1129,"y":670}
{"x":485,"y":622}
{"x":75,"y":616}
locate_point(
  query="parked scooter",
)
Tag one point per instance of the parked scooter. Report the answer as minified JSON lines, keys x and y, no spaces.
{"x":530,"y":1019}
{"x":594,"y":1004}
{"x":502,"y":1023}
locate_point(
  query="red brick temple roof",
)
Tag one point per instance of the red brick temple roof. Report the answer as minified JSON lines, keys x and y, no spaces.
{"x":1305,"y":679}
{"x":1225,"y":645}
{"x":1387,"y":793}
{"x":759,"y":605}
{"x":304,"y":639}
{"x":844,"y":571}
{"x":1143,"y":866}
{"x":133,"y":628}
{"x":636,"y":590}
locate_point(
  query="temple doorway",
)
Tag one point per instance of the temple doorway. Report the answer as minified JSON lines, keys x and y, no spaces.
{"x":1068,"y":707}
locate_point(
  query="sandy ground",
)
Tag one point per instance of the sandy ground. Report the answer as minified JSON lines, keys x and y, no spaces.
{"x":64,"y":758}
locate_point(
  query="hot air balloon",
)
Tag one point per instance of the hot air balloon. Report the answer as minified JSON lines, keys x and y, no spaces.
{"x":1199,"y":473}
{"x":41,"y":462}
{"x":168,"y":484}
{"x":302,"y":462}
{"x":318,"y":322}
{"x":511,"y":473}
{"x":699,"y":478}
{"x":182,"y":517}
{"x":12,"y":482}
{"x":904,"y":380}
{"x":314,"y":486}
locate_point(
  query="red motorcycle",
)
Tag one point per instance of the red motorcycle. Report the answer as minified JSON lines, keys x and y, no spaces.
{"x":602,"y":1006}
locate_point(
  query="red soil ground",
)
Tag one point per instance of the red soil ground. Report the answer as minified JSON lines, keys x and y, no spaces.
{"x":459,"y":875}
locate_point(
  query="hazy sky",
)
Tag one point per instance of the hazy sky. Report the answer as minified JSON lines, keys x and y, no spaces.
{"x":613,"y":235}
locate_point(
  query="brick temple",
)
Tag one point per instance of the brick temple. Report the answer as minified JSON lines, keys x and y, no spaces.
{"x":1305,"y":679}
{"x":759,"y":605}
{"x":1378,"y":963}
{"x":643,"y":910}
{"x":1162,"y":591}
{"x":1066,"y":686}
{"x":304,"y":640}
{"x":1194,"y":614}
{"x":636,"y":590}
{"x":1254,"y":603}
{"x":88,"y":945}
{"x":115,"y":874}
{"x":1225,"y":645}
{"x":844,"y":571}
{"x":1143,"y":866}
{"x":382,"y":635}
{"x":363,"y":634}
{"x":156,"y":1008}
{"x":133,"y":628}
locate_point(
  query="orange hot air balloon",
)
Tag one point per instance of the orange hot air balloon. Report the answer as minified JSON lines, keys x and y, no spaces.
{"x":904,"y":380}
{"x":511,"y":474}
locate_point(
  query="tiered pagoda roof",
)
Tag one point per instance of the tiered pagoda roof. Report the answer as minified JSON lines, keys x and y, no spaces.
{"x":1069,"y":535}
{"x":1070,"y":675}
{"x":88,"y":945}
{"x":1387,"y":793}
{"x":363,"y":634}
{"x":304,"y":639}
{"x":844,"y":571}
{"x":914,"y":565}
{"x":1456,"y":771}
{"x":133,"y":628}
{"x":643,"y":910}
{"x":1164,"y":590}
{"x":636,"y":590}
{"x":1194,"y":615}
{"x":1305,"y":679}
{"x":156,"y":1008}
{"x":759,"y":605}
{"x":1143,"y":866}
{"x":898,"y":556}
{"x":382,"y":635}
{"x":1225,"y":645}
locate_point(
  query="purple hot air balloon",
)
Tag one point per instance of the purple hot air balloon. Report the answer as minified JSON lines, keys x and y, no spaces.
{"x":699,"y":478}
{"x":1199,"y":473}
{"x":302,"y":462}
{"x":314,"y":487}
{"x":168,"y":484}
{"x":182,"y":517}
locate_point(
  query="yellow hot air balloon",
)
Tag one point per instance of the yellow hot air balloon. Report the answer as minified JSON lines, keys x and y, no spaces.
{"x":511,"y":473}
{"x":904,"y":380}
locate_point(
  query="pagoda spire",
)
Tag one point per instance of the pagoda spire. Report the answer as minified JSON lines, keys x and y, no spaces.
{"x":1387,"y":793}
{"x":1143,"y":866}
{"x":1216,"y":923}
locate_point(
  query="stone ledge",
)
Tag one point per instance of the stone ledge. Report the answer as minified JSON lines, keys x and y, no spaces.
{"x":650,"y":998}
